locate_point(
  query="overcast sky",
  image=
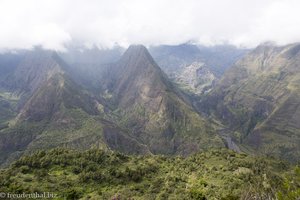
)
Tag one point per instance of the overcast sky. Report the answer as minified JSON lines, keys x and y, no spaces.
{"x":55,"y":23}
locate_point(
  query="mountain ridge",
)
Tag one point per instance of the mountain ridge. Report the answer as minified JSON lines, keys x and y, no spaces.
{"x":257,"y":98}
{"x":149,"y":102}
{"x":137,"y":109}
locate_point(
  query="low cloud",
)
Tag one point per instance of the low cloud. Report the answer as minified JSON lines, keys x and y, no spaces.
{"x":55,"y":23}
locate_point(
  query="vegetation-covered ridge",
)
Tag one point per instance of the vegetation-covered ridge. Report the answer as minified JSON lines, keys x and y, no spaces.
{"x":98,"y":174}
{"x":133,"y":108}
{"x":258,"y":101}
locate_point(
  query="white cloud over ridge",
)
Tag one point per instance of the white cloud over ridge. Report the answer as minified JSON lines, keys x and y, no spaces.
{"x":55,"y":23}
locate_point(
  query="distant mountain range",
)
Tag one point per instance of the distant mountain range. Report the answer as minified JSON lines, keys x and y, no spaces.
{"x":131,"y":106}
{"x":217,"y":58}
{"x":196,"y":68}
{"x":179,"y":101}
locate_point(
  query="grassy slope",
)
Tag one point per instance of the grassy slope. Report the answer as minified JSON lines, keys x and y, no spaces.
{"x":55,"y":116}
{"x":8,"y":104}
{"x":96,"y":174}
{"x":175,"y":129}
{"x":75,"y":129}
{"x":153,"y":109}
{"x":259,"y":99}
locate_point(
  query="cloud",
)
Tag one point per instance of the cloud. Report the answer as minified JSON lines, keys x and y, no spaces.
{"x":55,"y":23}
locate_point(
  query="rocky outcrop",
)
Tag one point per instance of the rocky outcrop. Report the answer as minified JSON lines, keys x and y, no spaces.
{"x":195,"y":78}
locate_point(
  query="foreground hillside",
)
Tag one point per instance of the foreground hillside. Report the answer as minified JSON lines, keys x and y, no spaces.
{"x":98,"y":174}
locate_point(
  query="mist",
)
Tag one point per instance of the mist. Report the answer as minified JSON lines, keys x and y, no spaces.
{"x":54,"y":24}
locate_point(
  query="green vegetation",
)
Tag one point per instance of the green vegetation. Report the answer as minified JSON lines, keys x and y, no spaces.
{"x":258,"y":98}
{"x":135,"y":110}
{"x":98,"y":174}
{"x":8,"y":104}
{"x":74,"y":129}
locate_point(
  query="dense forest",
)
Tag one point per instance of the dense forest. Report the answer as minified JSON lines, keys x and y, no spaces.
{"x":99,"y":174}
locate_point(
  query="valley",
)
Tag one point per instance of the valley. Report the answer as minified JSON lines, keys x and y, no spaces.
{"x":176,"y":115}
{"x":150,"y":100}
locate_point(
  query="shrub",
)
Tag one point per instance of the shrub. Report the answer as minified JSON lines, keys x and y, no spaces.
{"x":73,"y":194}
{"x":24,"y":169}
{"x":197,"y":194}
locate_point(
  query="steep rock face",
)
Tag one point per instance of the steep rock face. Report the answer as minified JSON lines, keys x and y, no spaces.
{"x":156,"y":111}
{"x":53,"y":110}
{"x":195,"y":68}
{"x":195,"y":78}
{"x":135,"y":109}
{"x":137,"y":77}
{"x":57,"y":91}
{"x":258,"y":97}
{"x":35,"y":68}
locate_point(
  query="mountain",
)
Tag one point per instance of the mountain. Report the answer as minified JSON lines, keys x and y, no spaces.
{"x":87,"y":64}
{"x":195,"y":78}
{"x":219,"y":58}
{"x":134,"y":108}
{"x":172,"y":58}
{"x":158,"y":114}
{"x":47,"y":101}
{"x":258,"y":98}
{"x":182,"y":64}
{"x":121,"y":128}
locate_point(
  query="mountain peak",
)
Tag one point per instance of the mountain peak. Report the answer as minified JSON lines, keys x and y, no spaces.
{"x":137,"y":51}
{"x":137,"y":58}
{"x":137,"y":47}
{"x":34,"y":69}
